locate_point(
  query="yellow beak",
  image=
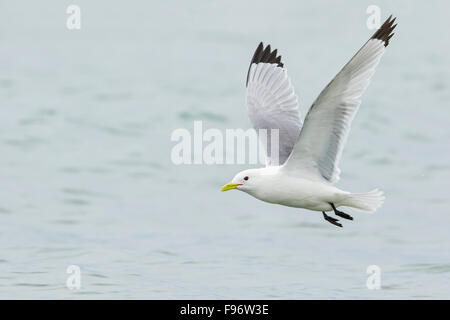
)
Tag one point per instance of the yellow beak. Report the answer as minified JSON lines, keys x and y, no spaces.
{"x":229,"y":186}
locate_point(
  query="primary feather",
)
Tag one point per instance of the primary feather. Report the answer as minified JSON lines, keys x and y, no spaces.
{"x":327,"y":123}
{"x":272,"y":104}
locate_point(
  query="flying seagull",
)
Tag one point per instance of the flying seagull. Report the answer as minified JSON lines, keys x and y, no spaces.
{"x":309,"y":155}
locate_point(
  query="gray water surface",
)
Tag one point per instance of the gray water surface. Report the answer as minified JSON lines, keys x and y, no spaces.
{"x":86,"y":177}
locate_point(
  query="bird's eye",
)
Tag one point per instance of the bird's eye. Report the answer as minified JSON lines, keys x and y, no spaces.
{"x":245,"y":178}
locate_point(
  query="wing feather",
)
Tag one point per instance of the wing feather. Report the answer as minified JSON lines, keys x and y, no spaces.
{"x":327,"y":124}
{"x":272,"y":103}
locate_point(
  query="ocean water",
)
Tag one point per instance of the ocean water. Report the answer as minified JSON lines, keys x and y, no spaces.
{"x":86,"y":176}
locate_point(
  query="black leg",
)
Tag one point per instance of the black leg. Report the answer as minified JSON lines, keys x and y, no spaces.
{"x":340,"y":213}
{"x":331,"y":220}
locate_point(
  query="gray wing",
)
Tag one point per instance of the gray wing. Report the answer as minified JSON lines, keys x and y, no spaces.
{"x":272,"y":104}
{"x":324,"y":133}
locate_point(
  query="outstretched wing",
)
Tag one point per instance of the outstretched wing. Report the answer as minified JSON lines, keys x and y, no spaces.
{"x":328,"y":121}
{"x":272,"y":104}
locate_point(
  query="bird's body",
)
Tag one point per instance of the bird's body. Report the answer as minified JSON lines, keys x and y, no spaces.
{"x":275,"y":185}
{"x":280,"y":188}
{"x":302,"y":165}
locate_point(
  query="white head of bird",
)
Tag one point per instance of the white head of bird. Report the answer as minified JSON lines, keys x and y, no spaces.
{"x":245,"y":181}
{"x":252,"y":181}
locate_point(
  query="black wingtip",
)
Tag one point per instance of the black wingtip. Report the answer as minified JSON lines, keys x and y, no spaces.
{"x":384,"y":33}
{"x":264,"y":55}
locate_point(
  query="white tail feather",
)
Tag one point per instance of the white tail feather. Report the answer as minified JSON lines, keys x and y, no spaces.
{"x":368,"y":201}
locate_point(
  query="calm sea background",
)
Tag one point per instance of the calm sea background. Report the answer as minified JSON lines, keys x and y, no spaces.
{"x":86,"y":177}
